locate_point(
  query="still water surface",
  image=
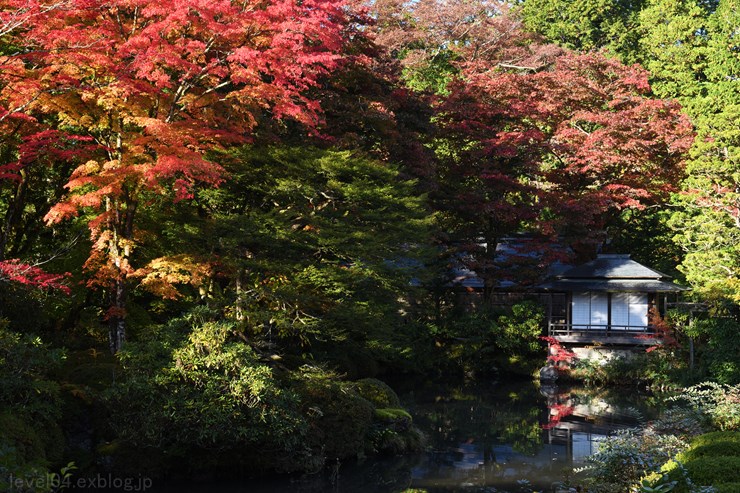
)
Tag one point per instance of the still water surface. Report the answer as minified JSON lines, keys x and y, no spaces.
{"x":481,"y":438}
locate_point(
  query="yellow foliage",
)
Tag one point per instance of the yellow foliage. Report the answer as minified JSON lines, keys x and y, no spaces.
{"x":162,"y":274}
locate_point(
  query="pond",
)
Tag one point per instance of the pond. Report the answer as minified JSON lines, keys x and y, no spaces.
{"x":510,"y":437}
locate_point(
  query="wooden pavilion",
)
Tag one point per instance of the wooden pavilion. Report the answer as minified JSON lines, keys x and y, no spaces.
{"x":609,"y":300}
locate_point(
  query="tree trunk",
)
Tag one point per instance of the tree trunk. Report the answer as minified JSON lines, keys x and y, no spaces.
{"x":117,"y":319}
{"x":13,"y":214}
{"x":119,"y":252}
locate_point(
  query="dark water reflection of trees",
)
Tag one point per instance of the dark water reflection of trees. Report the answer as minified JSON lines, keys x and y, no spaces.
{"x":482,"y":437}
{"x":500,"y":434}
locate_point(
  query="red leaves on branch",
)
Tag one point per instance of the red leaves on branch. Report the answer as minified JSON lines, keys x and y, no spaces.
{"x":159,"y":84}
{"x":663,"y":334}
{"x":558,"y":354}
{"x":29,"y":275}
{"x":582,"y":138}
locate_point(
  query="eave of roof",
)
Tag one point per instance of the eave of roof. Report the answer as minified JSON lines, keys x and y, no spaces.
{"x":613,"y":285}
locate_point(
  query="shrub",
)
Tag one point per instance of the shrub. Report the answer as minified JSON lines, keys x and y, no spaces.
{"x":713,"y":459}
{"x":720,"y":357}
{"x":713,"y":450}
{"x":704,"y":471}
{"x":711,"y":471}
{"x":30,"y":406}
{"x":716,"y":437}
{"x":680,"y":421}
{"x":203,"y":401}
{"x":718,"y":403}
{"x":629,"y":455}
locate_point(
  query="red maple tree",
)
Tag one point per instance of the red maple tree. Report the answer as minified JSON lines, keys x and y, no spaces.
{"x":559,"y":148}
{"x":157,"y":85}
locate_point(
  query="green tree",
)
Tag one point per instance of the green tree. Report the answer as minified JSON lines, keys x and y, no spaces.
{"x":674,"y":37}
{"x":708,"y":225}
{"x":585,"y":25}
{"x":318,"y":247}
{"x":194,"y":392}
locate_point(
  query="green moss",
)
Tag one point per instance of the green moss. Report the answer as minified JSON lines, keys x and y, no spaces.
{"x":377,"y":392}
{"x":391,"y":415}
{"x":339,"y":419}
{"x":393,"y":433}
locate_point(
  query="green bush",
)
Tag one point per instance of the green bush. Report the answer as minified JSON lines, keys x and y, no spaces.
{"x":203,"y":401}
{"x":681,"y":421}
{"x":30,"y":406}
{"x":711,"y":471}
{"x":727,"y":488}
{"x":716,"y":437}
{"x":713,"y":459}
{"x":196,"y":397}
{"x":719,"y":404}
{"x":713,"y":450}
{"x":720,"y":357}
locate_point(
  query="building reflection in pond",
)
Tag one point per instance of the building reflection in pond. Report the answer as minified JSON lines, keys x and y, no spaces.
{"x":497,"y":438}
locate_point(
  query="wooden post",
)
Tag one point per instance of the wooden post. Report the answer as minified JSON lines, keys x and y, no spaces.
{"x":608,"y":314}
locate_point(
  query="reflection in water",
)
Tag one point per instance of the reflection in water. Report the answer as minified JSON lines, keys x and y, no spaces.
{"x":480,"y":438}
{"x":498,"y":436}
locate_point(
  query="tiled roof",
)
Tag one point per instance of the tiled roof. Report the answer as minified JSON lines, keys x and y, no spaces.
{"x":612,"y":267}
{"x":612,"y":273}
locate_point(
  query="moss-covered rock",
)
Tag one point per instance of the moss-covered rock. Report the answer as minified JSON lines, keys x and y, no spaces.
{"x":393,"y":433}
{"x":377,"y":392}
{"x":393,"y":415}
{"x":339,"y":419}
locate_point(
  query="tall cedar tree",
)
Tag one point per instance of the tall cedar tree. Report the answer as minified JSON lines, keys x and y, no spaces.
{"x":157,"y":85}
